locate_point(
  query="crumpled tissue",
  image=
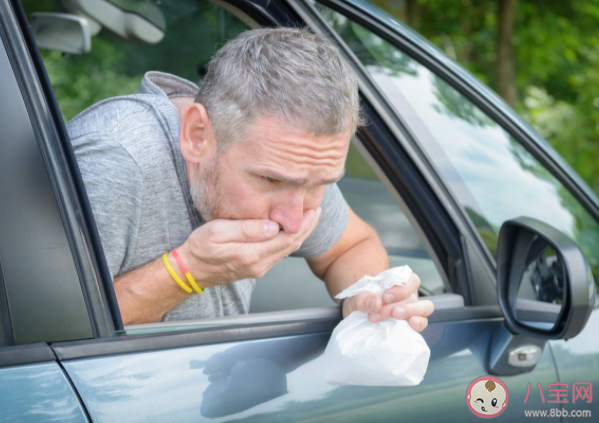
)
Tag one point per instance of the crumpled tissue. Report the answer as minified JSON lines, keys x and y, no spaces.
{"x":387,"y":353}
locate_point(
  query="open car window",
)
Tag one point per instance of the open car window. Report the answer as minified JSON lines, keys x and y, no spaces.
{"x":116,"y":65}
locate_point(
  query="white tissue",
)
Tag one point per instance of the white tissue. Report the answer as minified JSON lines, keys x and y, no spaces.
{"x":388,"y":353}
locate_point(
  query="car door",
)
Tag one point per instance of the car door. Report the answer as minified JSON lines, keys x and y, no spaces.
{"x":268,"y":366}
{"x":37,"y":270}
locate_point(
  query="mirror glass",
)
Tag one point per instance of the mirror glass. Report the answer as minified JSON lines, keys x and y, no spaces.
{"x":540,"y":294}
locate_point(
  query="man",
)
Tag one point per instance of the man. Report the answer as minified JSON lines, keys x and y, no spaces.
{"x":236,"y":175}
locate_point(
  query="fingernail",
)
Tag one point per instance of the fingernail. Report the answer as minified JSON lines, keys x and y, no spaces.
{"x":400,"y":312}
{"x":270,"y":227}
{"x":371,"y":304}
{"x":375,"y":317}
{"x":389,"y":298}
{"x":310,"y":216}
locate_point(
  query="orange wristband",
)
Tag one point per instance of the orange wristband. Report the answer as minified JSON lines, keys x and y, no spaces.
{"x":185,"y":270}
{"x":174,"y":275}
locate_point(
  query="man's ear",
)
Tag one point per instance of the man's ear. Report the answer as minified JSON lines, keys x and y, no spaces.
{"x":196,"y":139}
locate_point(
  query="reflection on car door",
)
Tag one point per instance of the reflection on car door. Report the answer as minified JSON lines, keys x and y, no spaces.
{"x":280,"y":378}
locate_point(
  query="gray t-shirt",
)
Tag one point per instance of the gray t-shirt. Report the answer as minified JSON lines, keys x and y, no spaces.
{"x":128,"y":153}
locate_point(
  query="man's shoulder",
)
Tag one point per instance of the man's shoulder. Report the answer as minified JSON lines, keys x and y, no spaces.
{"x":125,"y":115}
{"x":137,"y":127}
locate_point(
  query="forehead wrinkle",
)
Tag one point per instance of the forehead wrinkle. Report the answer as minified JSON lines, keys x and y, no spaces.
{"x":317,"y":146}
{"x":306,"y":155}
{"x":333,"y":154}
{"x":303,"y":160}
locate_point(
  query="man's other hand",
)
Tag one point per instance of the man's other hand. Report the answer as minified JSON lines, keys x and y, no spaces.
{"x":398,"y":302}
{"x":223,"y":251}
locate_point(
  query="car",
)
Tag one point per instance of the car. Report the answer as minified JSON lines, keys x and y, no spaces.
{"x":501,"y":230}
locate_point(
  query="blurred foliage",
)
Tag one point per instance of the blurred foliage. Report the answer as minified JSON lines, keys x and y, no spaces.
{"x":555,"y":47}
{"x":196,"y":29}
{"x":556,"y":54}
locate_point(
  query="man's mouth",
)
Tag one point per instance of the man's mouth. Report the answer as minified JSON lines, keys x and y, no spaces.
{"x":483,"y":408}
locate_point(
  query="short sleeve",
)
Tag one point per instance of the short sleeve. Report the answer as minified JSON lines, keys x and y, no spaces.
{"x":331,"y":225}
{"x":113,"y":183}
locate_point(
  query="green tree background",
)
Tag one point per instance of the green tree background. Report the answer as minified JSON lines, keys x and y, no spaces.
{"x":541,"y":56}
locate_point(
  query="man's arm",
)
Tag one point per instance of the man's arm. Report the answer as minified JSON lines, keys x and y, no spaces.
{"x":360,"y":252}
{"x":217,"y":253}
{"x":148,"y":292}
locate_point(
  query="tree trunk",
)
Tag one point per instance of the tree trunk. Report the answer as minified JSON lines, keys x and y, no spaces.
{"x":506,"y":81}
{"x":412,"y":6}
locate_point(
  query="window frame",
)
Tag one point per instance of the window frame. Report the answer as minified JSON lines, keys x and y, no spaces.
{"x":97,"y":283}
{"x":26,"y":68}
{"x":439,"y":215}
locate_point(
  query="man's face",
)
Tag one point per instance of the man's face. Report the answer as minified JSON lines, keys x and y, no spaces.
{"x":277,"y":174}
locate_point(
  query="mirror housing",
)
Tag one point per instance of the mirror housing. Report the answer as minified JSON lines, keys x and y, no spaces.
{"x":516,"y":238}
{"x":134,"y":21}
{"x":61,"y":32}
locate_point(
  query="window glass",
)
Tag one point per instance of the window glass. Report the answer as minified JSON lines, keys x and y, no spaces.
{"x":371,"y":201}
{"x":493,"y":176}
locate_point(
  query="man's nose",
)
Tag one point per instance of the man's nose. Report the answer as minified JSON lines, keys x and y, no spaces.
{"x":289,"y":214}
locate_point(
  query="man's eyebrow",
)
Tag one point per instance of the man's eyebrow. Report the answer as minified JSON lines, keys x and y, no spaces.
{"x":335,"y":179}
{"x":271,"y":173}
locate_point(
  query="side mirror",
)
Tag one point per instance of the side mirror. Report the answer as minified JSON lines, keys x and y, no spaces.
{"x":61,"y":32}
{"x":545,"y":290}
{"x":545,"y":286}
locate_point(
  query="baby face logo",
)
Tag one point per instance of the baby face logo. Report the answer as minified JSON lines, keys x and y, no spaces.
{"x":486,"y":397}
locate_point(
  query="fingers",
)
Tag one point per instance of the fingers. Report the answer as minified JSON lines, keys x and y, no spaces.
{"x":284,"y":244}
{"x":365,"y":302}
{"x":416,"y":312}
{"x":422,"y":308}
{"x":247,"y":230}
{"x":400,"y":293}
{"x":253,"y":260}
{"x":411,"y":298}
{"x":253,"y":230}
{"x":301,"y":236}
{"x":418,"y":323}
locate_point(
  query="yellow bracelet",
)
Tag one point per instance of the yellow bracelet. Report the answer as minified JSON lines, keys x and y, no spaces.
{"x":174,"y":274}
{"x":185,"y":270}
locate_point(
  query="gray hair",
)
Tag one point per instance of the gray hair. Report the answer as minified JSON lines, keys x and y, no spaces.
{"x":285,"y":72}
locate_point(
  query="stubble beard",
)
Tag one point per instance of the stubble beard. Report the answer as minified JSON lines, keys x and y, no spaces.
{"x":204,"y":193}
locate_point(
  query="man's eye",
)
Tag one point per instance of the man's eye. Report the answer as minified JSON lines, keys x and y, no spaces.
{"x":269,"y":179}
